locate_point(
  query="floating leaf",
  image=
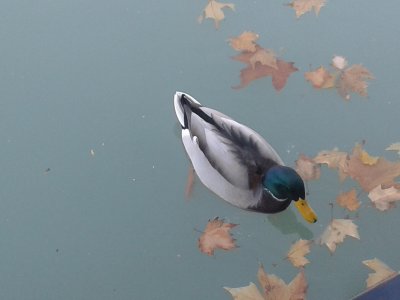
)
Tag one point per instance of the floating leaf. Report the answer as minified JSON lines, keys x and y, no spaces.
{"x":349,"y":200}
{"x":384,"y":199}
{"x":214,"y":10}
{"x":336,"y":231}
{"x":353,"y":80}
{"x":382,"y":272}
{"x":265,"y":57}
{"x":321,"y":78}
{"x":249,"y":292}
{"x":302,"y":6}
{"x":244,"y":42}
{"x":216,"y":236}
{"x":335,"y":159}
{"x":298,"y":251}
{"x":307,"y":168}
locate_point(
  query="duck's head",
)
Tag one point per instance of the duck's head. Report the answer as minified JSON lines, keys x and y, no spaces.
{"x":286,"y":185}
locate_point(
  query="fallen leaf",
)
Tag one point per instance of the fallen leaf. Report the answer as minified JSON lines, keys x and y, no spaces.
{"x":394,"y":147}
{"x":339,"y":62}
{"x":336,"y":231}
{"x":279,"y":75}
{"x":244,"y":42}
{"x":307,"y":168}
{"x":302,"y":6}
{"x":367,"y":159}
{"x":298,"y":251}
{"x":384,"y":199}
{"x":275,"y":288}
{"x":334,"y":159}
{"x":216,"y":236}
{"x":249,"y":292}
{"x":213,"y":10}
{"x":265,"y":57}
{"x":370,"y":176}
{"x":349,"y":200}
{"x":353,"y":80}
{"x":321,"y":78}
{"x":382,"y":272}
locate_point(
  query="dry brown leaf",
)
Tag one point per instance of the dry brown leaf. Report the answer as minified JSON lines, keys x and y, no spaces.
{"x":279,"y":75}
{"x":335,"y":159}
{"x":394,"y":147}
{"x":275,"y":288}
{"x":384,"y":199}
{"x":349,"y":200}
{"x":370,"y":176}
{"x":265,"y":57}
{"x":298,"y":251}
{"x":382,"y":272}
{"x":244,"y":42}
{"x":303,"y":6}
{"x":321,"y":78}
{"x":307,"y":168}
{"x":214,"y":10}
{"x":336,"y":231}
{"x":353,"y":80}
{"x":249,"y":292}
{"x":216,"y":236}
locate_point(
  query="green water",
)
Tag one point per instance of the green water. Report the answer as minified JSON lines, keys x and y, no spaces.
{"x":77,"y":76}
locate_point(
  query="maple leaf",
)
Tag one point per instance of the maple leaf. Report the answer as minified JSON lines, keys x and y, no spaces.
{"x":265,"y":57}
{"x":245,"y":42}
{"x":382,"y":272}
{"x":249,"y":292}
{"x":279,"y":75}
{"x":384,"y":199}
{"x":349,"y":200}
{"x":370,"y":176}
{"x":394,"y":147}
{"x":275,"y":288}
{"x":336,"y":231}
{"x":353,"y":79}
{"x":214,"y":10}
{"x":216,"y":236}
{"x":307,"y":168}
{"x":302,"y":6}
{"x":320,"y":78}
{"x":334,"y":159}
{"x":298,"y":251}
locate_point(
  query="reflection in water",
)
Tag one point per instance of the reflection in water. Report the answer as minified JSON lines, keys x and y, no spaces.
{"x":286,"y":222}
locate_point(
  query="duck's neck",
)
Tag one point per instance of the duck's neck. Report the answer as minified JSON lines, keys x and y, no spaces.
{"x":268,"y":204}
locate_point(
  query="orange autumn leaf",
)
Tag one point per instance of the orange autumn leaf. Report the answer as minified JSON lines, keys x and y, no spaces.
{"x":214,"y":10}
{"x":302,"y":6}
{"x":244,"y":42}
{"x":384,"y":199}
{"x":273,"y":288}
{"x":216,"y":236}
{"x":298,"y":251}
{"x":382,"y":272}
{"x":336,"y":231}
{"x":334,"y":159}
{"x":349,"y":200}
{"x":370,"y":176}
{"x":307,"y":168}
{"x":320,"y":78}
{"x":354,"y":80}
{"x":279,"y":75}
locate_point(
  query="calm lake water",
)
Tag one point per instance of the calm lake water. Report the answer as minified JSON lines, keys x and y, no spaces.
{"x":93,"y":170}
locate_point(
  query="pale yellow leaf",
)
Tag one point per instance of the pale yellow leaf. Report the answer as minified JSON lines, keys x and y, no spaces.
{"x":214,"y":10}
{"x":265,"y":57}
{"x":349,"y":200}
{"x":302,"y":6}
{"x":335,"y":159}
{"x":249,"y":292}
{"x":298,"y":251}
{"x":382,"y":272}
{"x":336,"y":231}
{"x":244,"y":42}
{"x":384,"y":199}
{"x":320,"y":78}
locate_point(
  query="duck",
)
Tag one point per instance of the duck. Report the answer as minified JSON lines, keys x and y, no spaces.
{"x":236,"y":163}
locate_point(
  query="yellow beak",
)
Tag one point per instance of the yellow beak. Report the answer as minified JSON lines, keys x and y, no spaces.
{"x":306,"y":211}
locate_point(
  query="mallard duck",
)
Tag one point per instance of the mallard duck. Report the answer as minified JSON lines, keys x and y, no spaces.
{"x":236,"y":163}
